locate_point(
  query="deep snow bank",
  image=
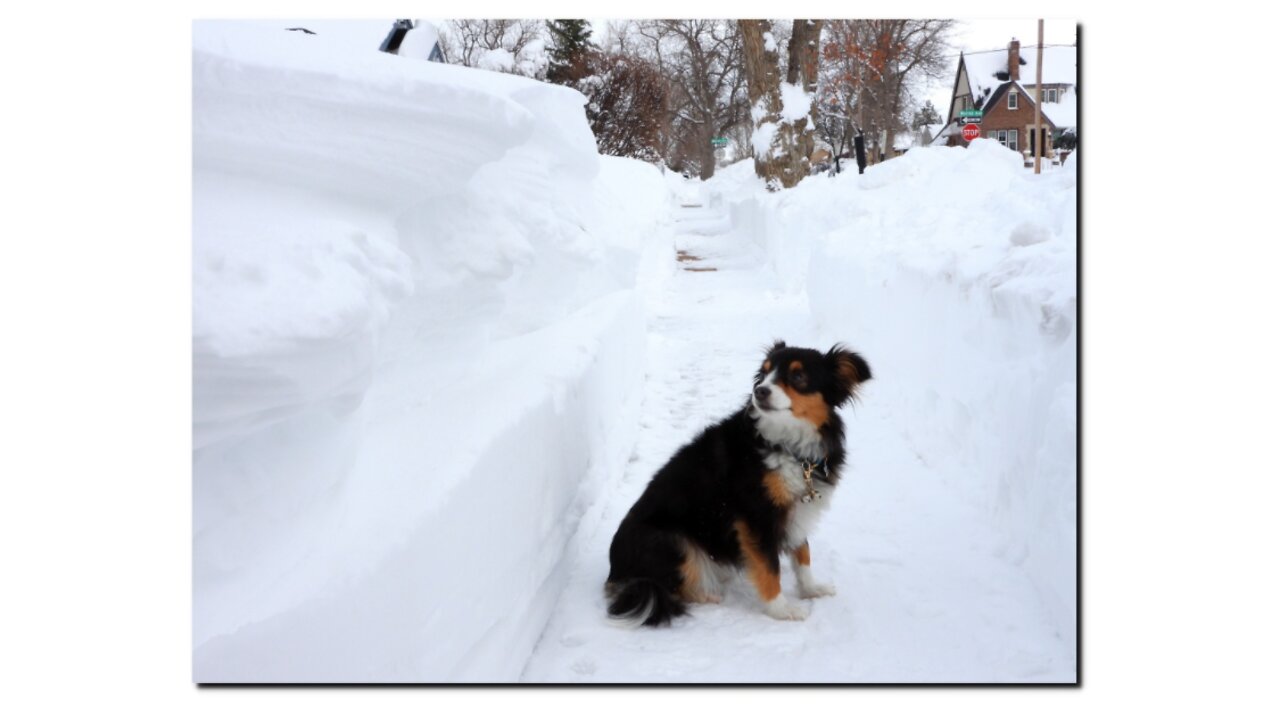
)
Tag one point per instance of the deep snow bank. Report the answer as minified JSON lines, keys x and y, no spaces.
{"x":416,"y":346}
{"x":954,"y":272}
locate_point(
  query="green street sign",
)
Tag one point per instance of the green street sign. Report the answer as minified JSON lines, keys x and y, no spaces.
{"x":970,"y":113}
{"x":719,"y":141}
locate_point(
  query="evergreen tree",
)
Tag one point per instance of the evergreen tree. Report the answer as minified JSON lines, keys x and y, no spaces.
{"x":928,"y":114}
{"x":570,"y":47}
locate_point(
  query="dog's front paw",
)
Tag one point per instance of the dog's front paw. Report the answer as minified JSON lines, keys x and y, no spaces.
{"x":784,"y":610}
{"x":817,"y":590}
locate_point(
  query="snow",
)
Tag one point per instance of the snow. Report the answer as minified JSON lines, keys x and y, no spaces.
{"x":952,"y":540}
{"x":795,"y":102}
{"x":420,"y":42}
{"x":532,"y":59}
{"x":1059,"y":68}
{"x":795,"y":107}
{"x":440,"y":345}
{"x":497,"y":60}
{"x":1063,"y":112}
{"x":388,"y":324}
{"x":770,"y":45}
{"x":762,"y":138}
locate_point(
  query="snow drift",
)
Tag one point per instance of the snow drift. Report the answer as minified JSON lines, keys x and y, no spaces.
{"x":416,"y":348}
{"x":954,"y":272}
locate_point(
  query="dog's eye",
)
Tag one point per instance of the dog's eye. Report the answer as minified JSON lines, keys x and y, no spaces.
{"x":799,"y":380}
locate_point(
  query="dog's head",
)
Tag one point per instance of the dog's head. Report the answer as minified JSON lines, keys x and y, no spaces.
{"x":804,"y":385}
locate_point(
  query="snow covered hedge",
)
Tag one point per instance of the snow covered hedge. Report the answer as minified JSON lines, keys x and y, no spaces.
{"x":416,"y":339}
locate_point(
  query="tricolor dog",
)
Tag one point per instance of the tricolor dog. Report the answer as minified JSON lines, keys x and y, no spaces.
{"x":740,"y":495}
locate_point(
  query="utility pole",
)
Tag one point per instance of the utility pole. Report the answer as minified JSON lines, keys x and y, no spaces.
{"x":1039,"y":141}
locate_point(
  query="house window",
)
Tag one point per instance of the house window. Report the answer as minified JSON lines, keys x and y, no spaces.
{"x":1006,"y":137}
{"x":1049,"y":95}
{"x":1013,"y":98}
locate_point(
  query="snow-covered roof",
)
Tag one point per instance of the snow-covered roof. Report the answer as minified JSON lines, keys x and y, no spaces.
{"x":1062,"y":112}
{"x":933,"y":130}
{"x":422,"y":42}
{"x":982,"y":68}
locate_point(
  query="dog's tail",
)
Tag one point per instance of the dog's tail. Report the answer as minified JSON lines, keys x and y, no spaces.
{"x":642,"y":601}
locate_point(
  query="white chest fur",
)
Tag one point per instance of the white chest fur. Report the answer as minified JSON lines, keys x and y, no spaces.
{"x":803,"y":516}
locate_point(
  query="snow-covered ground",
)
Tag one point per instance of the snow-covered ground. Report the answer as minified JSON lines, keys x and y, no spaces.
{"x":952,"y":540}
{"x":440,"y":345}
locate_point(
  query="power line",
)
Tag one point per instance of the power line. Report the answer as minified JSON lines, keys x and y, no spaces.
{"x":999,"y":49}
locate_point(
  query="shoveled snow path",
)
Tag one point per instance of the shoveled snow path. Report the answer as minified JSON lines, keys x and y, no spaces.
{"x":923,"y":595}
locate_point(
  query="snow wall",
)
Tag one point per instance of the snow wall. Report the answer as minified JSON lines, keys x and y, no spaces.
{"x":953,"y":271}
{"x":417,"y":354}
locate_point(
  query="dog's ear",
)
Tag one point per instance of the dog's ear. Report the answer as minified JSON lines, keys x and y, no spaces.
{"x":850,"y":370}
{"x":777,"y":345}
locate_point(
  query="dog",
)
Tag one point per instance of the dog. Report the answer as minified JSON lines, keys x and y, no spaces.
{"x":743,"y":492}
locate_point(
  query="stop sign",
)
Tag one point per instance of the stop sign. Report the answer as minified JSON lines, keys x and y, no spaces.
{"x":971,"y":132}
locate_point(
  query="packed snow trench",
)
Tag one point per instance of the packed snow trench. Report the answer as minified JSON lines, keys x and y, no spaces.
{"x":926,"y":588}
{"x":437,"y":358}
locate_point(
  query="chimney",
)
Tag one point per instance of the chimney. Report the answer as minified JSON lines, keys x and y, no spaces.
{"x":1014,"y":59}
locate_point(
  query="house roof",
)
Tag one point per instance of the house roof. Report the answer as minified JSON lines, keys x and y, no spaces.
{"x":398,"y":30}
{"x":422,"y":42}
{"x":1063,"y":112}
{"x":983,"y":67}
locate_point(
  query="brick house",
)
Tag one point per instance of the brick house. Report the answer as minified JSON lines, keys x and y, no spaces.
{"x":1001,"y":83}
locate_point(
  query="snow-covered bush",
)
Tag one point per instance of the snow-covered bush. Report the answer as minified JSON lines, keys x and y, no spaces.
{"x":626,"y":105}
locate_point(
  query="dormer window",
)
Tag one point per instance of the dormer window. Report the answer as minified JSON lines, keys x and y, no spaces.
{"x":1013,"y":98}
{"x":1049,"y":95}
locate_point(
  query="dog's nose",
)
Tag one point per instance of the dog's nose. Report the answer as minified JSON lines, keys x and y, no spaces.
{"x":762,"y":393}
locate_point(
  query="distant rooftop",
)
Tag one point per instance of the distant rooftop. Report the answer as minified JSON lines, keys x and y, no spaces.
{"x":985,"y":68}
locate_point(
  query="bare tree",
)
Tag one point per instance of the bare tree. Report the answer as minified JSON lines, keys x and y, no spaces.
{"x":621,"y":38}
{"x":471,"y":43}
{"x":702,"y":62}
{"x":870,"y":73}
{"x":783,"y":113}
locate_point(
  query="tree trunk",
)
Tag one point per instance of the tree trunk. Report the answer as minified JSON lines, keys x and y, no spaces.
{"x":785,"y":159}
{"x":707,"y":154}
{"x":802,"y":69}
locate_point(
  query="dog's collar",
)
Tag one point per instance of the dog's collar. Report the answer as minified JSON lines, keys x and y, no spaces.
{"x":805,"y":463}
{"x":809,"y":467}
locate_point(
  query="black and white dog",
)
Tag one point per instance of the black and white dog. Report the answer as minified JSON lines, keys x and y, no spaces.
{"x":740,"y":494}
